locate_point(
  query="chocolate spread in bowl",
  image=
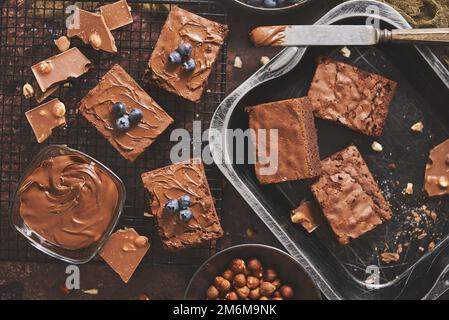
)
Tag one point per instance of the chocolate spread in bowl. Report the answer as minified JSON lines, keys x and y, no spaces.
{"x":68,"y":200}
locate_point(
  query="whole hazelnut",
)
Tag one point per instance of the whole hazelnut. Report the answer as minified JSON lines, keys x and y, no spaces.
{"x":277,"y":294}
{"x":252,"y":282}
{"x":141,"y":241}
{"x":286,"y":292}
{"x":95,"y":40}
{"x":239,"y":280}
{"x":263,"y":298}
{"x":254,"y":265}
{"x":28,"y":90}
{"x":254,"y":294}
{"x":222,"y":284}
{"x":267,"y":289}
{"x":212,"y":293}
{"x":231,"y":296}
{"x":59,"y":110}
{"x":238,"y":266}
{"x":276,"y":283}
{"x":270,"y":275}
{"x":45,"y":67}
{"x":228,"y":275}
{"x":243,"y":292}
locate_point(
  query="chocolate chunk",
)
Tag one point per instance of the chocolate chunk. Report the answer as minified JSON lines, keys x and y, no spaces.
{"x":124,"y":251}
{"x":204,"y":35}
{"x":68,"y":64}
{"x":297,"y":149}
{"x":349,"y":196}
{"x":118,"y":86}
{"x":172,"y":182}
{"x":436,"y":179}
{"x":308,"y":215}
{"x":91,"y":29}
{"x":44,"y":118}
{"x":117,"y":14}
{"x":350,"y":96}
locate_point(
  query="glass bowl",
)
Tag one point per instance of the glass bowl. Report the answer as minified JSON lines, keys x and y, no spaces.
{"x":77,"y":256}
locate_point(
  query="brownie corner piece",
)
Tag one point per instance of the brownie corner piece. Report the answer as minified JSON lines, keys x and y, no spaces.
{"x":206,"y":37}
{"x":349,"y":196}
{"x":172,"y":182}
{"x":351,"y":96}
{"x":118,"y":86}
{"x":297,"y":148}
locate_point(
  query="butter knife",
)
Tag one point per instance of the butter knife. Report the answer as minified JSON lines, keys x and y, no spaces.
{"x":335,"y":35}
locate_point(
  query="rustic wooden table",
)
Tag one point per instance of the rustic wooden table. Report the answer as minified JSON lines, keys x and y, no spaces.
{"x":43,"y":280}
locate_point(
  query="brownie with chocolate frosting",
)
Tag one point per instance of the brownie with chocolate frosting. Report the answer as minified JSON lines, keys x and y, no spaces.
{"x":206,"y":38}
{"x":118,"y":86}
{"x":351,"y":97}
{"x":349,"y":196}
{"x":172,"y":182}
{"x":296,"y":155}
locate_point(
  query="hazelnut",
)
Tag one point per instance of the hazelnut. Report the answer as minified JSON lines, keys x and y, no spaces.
{"x":277,"y":298}
{"x":59,"y":110}
{"x":141,"y":241}
{"x":95,"y":40}
{"x":267,"y":289}
{"x":276,"y":283}
{"x":45,"y":67}
{"x":254,"y":265}
{"x":63,"y":43}
{"x":243,"y":292}
{"x":28,"y":90}
{"x":286,"y":292}
{"x":239,"y":280}
{"x":276,"y":294}
{"x":376,"y":146}
{"x":228,"y":275}
{"x":212,"y":293}
{"x":238,"y":266}
{"x":222,"y":284}
{"x":254,"y":294}
{"x":231,"y":296}
{"x":129,"y":247}
{"x":443,"y":182}
{"x":417,"y":127}
{"x":263,"y":298}
{"x":252,"y":282}
{"x":270,"y":275}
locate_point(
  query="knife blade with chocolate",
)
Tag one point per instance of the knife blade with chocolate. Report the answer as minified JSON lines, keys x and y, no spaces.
{"x":335,"y":35}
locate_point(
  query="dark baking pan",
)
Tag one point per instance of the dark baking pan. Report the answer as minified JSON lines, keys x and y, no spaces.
{"x":351,"y":271}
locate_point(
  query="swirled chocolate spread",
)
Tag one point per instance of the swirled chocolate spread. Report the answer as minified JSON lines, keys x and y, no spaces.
{"x":172,"y":182}
{"x":268,"y":36}
{"x":118,"y":86}
{"x":436,"y":181}
{"x":206,"y":38}
{"x":69,"y":201}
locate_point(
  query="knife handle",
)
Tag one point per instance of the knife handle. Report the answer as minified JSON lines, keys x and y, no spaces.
{"x":416,"y":36}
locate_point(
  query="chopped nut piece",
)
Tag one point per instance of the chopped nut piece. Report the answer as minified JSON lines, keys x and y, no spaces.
{"x":345,"y":52}
{"x":376,"y":146}
{"x":421,"y":249}
{"x":91,"y":291}
{"x":443,"y":182}
{"x":389,"y":257}
{"x":264,"y":60}
{"x":417,"y":127}
{"x":28,"y":91}
{"x":63,"y":43}
{"x":409,"y":188}
{"x":238,"y":62}
{"x":431,"y":246}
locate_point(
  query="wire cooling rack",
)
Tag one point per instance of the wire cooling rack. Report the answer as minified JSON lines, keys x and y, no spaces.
{"x":27,"y":30}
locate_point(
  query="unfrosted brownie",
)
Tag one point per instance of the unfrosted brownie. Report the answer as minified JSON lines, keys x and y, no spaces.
{"x":349,"y":196}
{"x":297,"y":149}
{"x":172,"y":182}
{"x":350,"y":96}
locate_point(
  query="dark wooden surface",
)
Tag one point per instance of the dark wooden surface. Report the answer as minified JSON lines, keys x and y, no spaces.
{"x":43,"y":280}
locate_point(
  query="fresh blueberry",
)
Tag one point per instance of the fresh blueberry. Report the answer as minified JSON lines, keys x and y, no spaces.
{"x":185,"y":49}
{"x":172,"y":205}
{"x":189,"y":65}
{"x":184,"y":201}
{"x":119,"y":109}
{"x":185,"y":215}
{"x":123,"y":124}
{"x":135,"y":116}
{"x":175,"y":57}
{"x":269,"y":3}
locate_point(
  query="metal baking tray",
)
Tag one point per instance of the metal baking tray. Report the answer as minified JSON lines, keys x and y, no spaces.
{"x":350,"y":272}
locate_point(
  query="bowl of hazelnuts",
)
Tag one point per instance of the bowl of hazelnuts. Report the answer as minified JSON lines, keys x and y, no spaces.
{"x":251,"y":272}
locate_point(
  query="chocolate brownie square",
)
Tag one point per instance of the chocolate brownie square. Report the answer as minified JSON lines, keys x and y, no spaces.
{"x":118,"y":86}
{"x":206,"y":38}
{"x":350,"y":96}
{"x":172,"y":182}
{"x":349,"y":196}
{"x":297,"y":149}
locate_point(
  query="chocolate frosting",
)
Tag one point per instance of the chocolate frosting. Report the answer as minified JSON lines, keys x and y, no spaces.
{"x":186,"y":178}
{"x":268,"y":36}
{"x":68,"y":200}
{"x":118,"y":86}
{"x":204,"y":35}
{"x":437,"y":171}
